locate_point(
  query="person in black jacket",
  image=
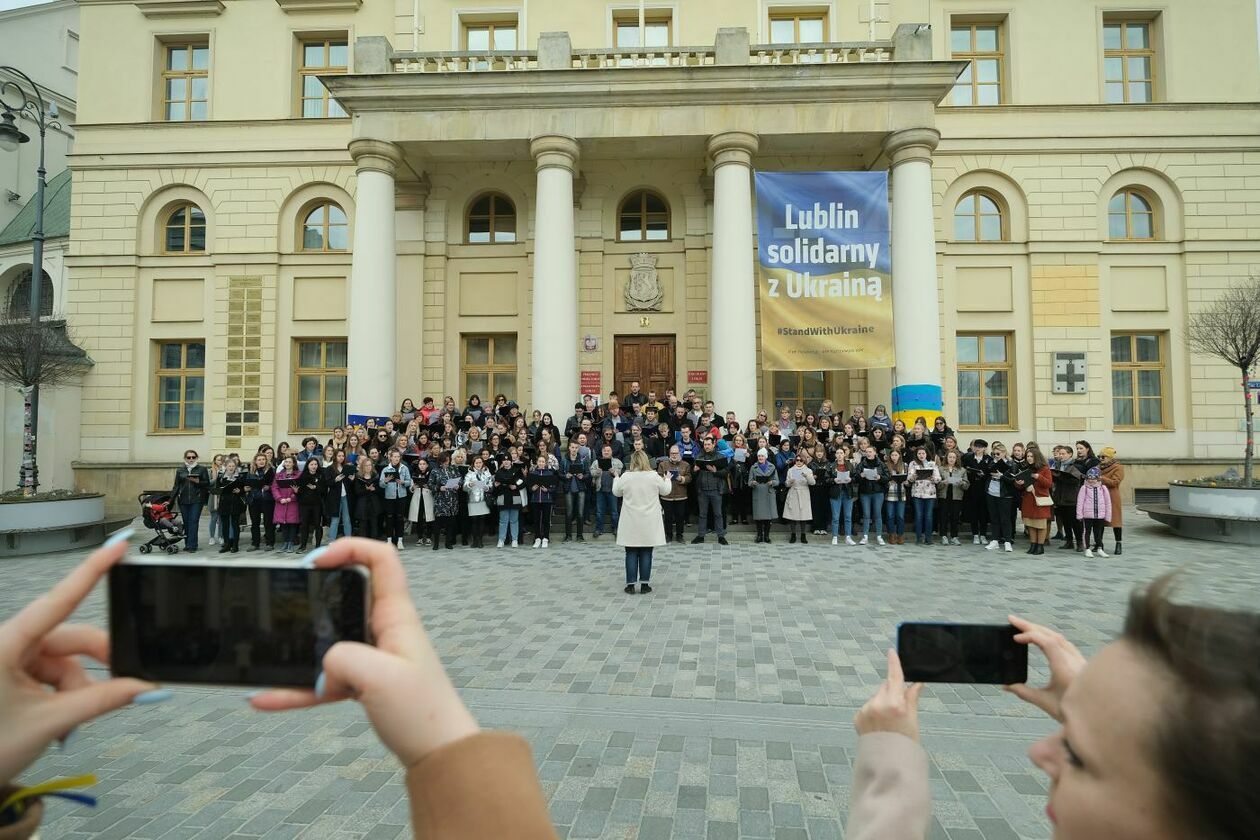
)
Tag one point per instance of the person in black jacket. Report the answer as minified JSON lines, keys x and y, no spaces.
{"x":310,"y":495}
{"x":230,"y":487}
{"x":261,"y":504}
{"x":1067,"y":486}
{"x":872,"y":485}
{"x":999,"y":491}
{"x":367,"y":504}
{"x":338,"y":476}
{"x":191,"y":492}
{"x":976,"y":462}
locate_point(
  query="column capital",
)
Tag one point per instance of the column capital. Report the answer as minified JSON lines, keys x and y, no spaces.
{"x":554,"y":150}
{"x":911,"y":144}
{"x":376,"y":156}
{"x":733,"y":147}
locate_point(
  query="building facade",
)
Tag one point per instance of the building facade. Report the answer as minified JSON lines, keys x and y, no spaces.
{"x":249,"y":264}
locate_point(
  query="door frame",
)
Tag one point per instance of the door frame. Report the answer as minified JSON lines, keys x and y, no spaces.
{"x":616,"y":380}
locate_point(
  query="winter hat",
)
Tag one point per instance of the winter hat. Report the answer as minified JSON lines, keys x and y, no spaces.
{"x":761,"y":452}
{"x":1108,"y":452}
{"x":980,"y":442}
{"x":1094,"y":473}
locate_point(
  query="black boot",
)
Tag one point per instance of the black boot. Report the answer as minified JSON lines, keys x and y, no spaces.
{"x":803,"y":540}
{"x":792,"y":538}
{"x":1118,"y":550}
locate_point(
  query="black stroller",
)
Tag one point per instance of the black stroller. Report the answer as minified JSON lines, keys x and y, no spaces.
{"x":160,"y":514}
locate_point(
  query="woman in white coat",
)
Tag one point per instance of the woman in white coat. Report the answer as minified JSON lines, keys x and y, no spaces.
{"x":797,"y":509}
{"x":477,"y":486}
{"x":641,"y":526}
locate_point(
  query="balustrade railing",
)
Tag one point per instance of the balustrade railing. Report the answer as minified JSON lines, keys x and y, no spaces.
{"x":464,"y":61}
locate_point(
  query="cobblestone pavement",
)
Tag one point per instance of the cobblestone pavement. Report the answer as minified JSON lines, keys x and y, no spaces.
{"x":719,"y":706}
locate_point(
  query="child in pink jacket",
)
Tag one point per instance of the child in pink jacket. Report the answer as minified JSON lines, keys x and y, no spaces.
{"x":1093,"y":508}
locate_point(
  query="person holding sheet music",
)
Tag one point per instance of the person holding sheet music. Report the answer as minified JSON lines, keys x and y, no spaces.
{"x":477,"y":485}
{"x":710,"y":483}
{"x":925,"y":477}
{"x":872,"y":485}
{"x":999,"y":495}
{"x":1036,"y":501}
{"x":284,"y":492}
{"x":1067,"y":486}
{"x":506,"y":488}
{"x":977,"y":462}
{"x":895,"y":498}
{"x":763,"y":481}
{"x":446,"y":483}
{"x":542,"y":482}
{"x":262,"y":524}
{"x":230,"y":486}
{"x":337,"y":474}
{"x":798,"y":507}
{"x":674,"y":503}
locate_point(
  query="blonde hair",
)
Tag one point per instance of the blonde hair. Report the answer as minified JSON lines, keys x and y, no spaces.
{"x":639,"y":462}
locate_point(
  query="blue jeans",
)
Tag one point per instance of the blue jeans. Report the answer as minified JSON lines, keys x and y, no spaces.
{"x":574,"y":505}
{"x":896,"y":513}
{"x":872,"y":512}
{"x":924,"y":509}
{"x":509,"y":518}
{"x":842,"y":510}
{"x":192,"y":521}
{"x":638,"y":564}
{"x":341,"y":520}
{"x":606,"y":502}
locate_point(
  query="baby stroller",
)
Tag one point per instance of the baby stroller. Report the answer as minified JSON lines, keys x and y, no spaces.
{"x":158,"y":510}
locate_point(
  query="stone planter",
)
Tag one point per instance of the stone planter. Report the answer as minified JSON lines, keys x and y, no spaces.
{"x":46,"y":525}
{"x":1219,"y":514}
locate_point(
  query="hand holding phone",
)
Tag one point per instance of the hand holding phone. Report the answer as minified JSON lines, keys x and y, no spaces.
{"x":1066,"y":661}
{"x":894,"y":708}
{"x":962,"y":653}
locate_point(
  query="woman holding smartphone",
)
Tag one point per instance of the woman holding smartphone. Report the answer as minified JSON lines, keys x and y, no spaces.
{"x":284,"y":493}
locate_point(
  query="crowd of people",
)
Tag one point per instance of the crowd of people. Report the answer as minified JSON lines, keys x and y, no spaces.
{"x":446,"y":475}
{"x":1175,"y":758}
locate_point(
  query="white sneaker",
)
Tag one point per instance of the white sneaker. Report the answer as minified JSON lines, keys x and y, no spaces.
{"x":500,"y":545}
{"x":546,"y":542}
{"x":991,"y":546}
{"x":835,"y":541}
{"x":1006,"y":546}
{"x":1100,"y":552}
{"x":879,"y":539}
{"x":849,"y":541}
{"x":537,"y":543}
{"x":944,"y":540}
{"x":514,"y":544}
{"x":1089,"y":552}
{"x":213,"y":541}
{"x":954,"y":541}
{"x":975,"y":539}
{"x":863,"y":542}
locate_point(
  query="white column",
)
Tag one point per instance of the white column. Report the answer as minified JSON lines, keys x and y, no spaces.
{"x":733,"y":371}
{"x":372,"y":335}
{"x":916,"y":306}
{"x":554,"y":338}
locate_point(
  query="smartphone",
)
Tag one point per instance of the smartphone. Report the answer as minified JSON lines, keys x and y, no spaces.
{"x":248,"y":623}
{"x":961,"y":653}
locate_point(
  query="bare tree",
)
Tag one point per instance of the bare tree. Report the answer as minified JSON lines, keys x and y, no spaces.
{"x":36,"y":354}
{"x":1229,"y":329}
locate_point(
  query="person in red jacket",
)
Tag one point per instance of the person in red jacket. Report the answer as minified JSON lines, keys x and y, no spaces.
{"x":1035,"y":502}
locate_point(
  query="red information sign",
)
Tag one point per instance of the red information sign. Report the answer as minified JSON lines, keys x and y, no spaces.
{"x":697,"y":377}
{"x":590,"y":382}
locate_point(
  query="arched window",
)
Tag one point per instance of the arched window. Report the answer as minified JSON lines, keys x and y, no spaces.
{"x":325,"y":228}
{"x":185,"y":230}
{"x":20,"y":297}
{"x":491,"y":219}
{"x":1130,"y":215}
{"x":978,"y":217}
{"x":643,"y":217}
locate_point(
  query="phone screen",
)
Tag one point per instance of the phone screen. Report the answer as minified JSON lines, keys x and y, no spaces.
{"x":233,"y":625}
{"x":961,"y":653}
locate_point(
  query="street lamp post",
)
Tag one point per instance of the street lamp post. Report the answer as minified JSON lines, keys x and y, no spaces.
{"x":44,"y":115}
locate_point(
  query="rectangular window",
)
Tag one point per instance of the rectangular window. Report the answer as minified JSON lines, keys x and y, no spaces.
{"x":186,"y":82}
{"x":804,"y":389}
{"x":1129,"y":60}
{"x":488,"y":36}
{"x":985,"y":380}
{"x":798,"y":27}
{"x":657,"y":30}
{"x":489,"y":365}
{"x":321,"y":56}
{"x":319,"y":384}
{"x":180,"y":386}
{"x":982,"y":45}
{"x":1138,"y":380}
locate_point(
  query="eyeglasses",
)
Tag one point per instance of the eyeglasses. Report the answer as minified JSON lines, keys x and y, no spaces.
{"x":190,"y":457}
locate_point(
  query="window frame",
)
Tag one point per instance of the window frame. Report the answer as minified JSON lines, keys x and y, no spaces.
{"x":188,"y":226}
{"x":325,"y":227}
{"x":1146,"y":196}
{"x":1004,"y":233}
{"x":796,"y":16}
{"x":304,"y":70}
{"x":630,"y":17}
{"x":188,"y":75}
{"x":469,"y":24}
{"x":1124,"y":53}
{"x":468,"y":217}
{"x":973,"y":55}
{"x":323,"y":372}
{"x":982,"y":365}
{"x":644,"y":216}
{"x":184,"y":373}
{"x":491,"y":369}
{"x":1132,"y":367}
{"x":799,"y":391}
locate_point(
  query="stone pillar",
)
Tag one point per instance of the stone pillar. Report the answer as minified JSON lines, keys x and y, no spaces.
{"x":554,"y":339}
{"x":372,"y":339}
{"x":916,"y":306}
{"x":732,"y":310}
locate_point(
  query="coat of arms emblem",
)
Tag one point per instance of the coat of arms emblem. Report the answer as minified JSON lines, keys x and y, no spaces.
{"x":643,"y":290}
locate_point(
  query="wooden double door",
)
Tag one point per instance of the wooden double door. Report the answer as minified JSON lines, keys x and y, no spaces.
{"x":646,"y":359}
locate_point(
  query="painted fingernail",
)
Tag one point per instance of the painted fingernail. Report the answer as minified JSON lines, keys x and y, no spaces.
{"x":308,"y":562}
{"x":121,"y":537}
{"x":70,"y":738}
{"x":148,"y":698}
{"x":319,"y":686}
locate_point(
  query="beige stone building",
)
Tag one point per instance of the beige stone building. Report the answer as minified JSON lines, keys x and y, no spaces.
{"x":238,"y":243}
